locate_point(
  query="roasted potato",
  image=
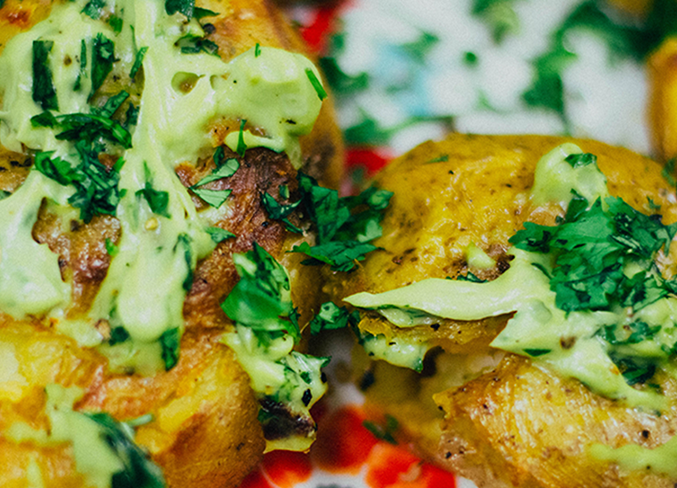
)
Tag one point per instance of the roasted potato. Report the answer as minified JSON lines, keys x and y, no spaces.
{"x":200,"y":417}
{"x":487,"y":414}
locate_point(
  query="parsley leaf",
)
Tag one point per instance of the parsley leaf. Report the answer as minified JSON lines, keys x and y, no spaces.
{"x":138,"y":62}
{"x":83,"y":66}
{"x":580,"y":160}
{"x":225,"y":170}
{"x":241,"y":146}
{"x":341,"y":255}
{"x":633,"y":333}
{"x":215,"y":198}
{"x":44,"y":93}
{"x":116,"y":23}
{"x":537,"y":352}
{"x":218,"y":234}
{"x":111,"y":105}
{"x":499,"y":15}
{"x":170,"y":341}
{"x":157,"y":200}
{"x":201,"y":13}
{"x":138,"y":470}
{"x":185,"y":7}
{"x":91,"y":127}
{"x":277,"y":211}
{"x":341,"y":82}
{"x":194,"y":44}
{"x":94,"y":9}
{"x":332,"y":317}
{"x":317,"y":85}
{"x":261,"y":299}
{"x":103,"y":57}
{"x":45,"y":119}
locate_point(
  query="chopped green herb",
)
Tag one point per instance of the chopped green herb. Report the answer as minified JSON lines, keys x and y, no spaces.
{"x":184,"y":241}
{"x":44,"y":93}
{"x":218,"y":234}
{"x":157,"y":200}
{"x":317,"y":85}
{"x":215,"y":198}
{"x":257,"y":50}
{"x":94,"y":9}
{"x":635,"y":370}
{"x":440,"y":159}
{"x":592,"y":248}
{"x":118,"y":335}
{"x":116,"y":23}
{"x":201,"y":13}
{"x":470,"y":58}
{"x":91,"y":127}
{"x":652,"y":205}
{"x":580,"y":160}
{"x":103,"y":57}
{"x":500,"y":17}
{"x":536,"y":352}
{"x":261,"y":299}
{"x":341,"y":255}
{"x":383,"y":433}
{"x":341,"y":82}
{"x":185,"y":7}
{"x":225,"y":170}
{"x":139,"y":471}
{"x":45,"y":119}
{"x":169,"y":342}
{"x":332,"y":317}
{"x":193,"y":45}
{"x":132,"y":116}
{"x":470,"y":277}
{"x":138,"y":62}
{"x":83,"y":66}
{"x":111,"y":248}
{"x":112,"y":104}
{"x":241,"y":146}
{"x":634,"y":333}
{"x":277,"y":211}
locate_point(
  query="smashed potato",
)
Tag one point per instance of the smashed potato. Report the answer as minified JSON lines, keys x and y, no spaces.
{"x":497,"y":418}
{"x":178,"y":410}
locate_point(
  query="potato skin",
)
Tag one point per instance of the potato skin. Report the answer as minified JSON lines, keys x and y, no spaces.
{"x":205,"y":431}
{"x":505,"y":427}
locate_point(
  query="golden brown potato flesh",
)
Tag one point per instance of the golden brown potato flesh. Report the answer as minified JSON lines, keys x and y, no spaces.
{"x":204,"y":431}
{"x":663,"y":99}
{"x":507,"y":422}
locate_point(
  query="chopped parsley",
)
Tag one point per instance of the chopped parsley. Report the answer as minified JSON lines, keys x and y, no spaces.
{"x":317,"y":85}
{"x":470,"y":277}
{"x":580,"y":160}
{"x":157,"y":200}
{"x":261,"y":299}
{"x":111,"y":248}
{"x":500,"y":17}
{"x":201,"y":13}
{"x":384,"y":433}
{"x":593,"y":247}
{"x":96,"y":186}
{"x":185,"y":7}
{"x":216,"y":198}
{"x":83,"y":66}
{"x":332,"y":317}
{"x":537,"y":352}
{"x":194,"y":44}
{"x":344,"y":225}
{"x":241,"y":146}
{"x":103,"y":57}
{"x":419,"y":49}
{"x":257,"y":50}
{"x":44,"y":93}
{"x":138,"y":470}
{"x":94,"y":8}
{"x":218,"y":234}
{"x":90,"y":128}
{"x":116,"y":23}
{"x":138,"y":62}
{"x":278,"y":211}
{"x":169,"y":342}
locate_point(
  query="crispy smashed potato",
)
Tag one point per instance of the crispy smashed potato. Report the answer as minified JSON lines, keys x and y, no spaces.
{"x":506,"y":422}
{"x":202,"y":427}
{"x":662,"y":67}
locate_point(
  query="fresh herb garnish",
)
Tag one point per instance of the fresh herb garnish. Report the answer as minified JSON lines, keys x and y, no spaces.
{"x":634,"y":333}
{"x":94,"y":9}
{"x":341,"y":82}
{"x":470,"y":277}
{"x":317,"y":85}
{"x":261,"y":299}
{"x":332,"y":317}
{"x":157,"y":200}
{"x":536,"y":352}
{"x":91,"y":128}
{"x":194,"y":44}
{"x":170,"y":341}
{"x":201,"y":13}
{"x":83,"y":66}
{"x":592,"y":247}
{"x":138,"y":62}
{"x":419,"y":49}
{"x":344,"y":225}
{"x":111,"y":248}
{"x":115,"y":23}
{"x":215,"y":198}
{"x":139,"y":471}
{"x":184,"y":241}
{"x":580,"y":159}
{"x":45,"y":119}
{"x":499,"y":15}
{"x":44,"y":93}
{"x":218,"y":234}
{"x":185,"y":7}
{"x":112,"y":105}
{"x":278,"y":211}
{"x":257,"y":50}
{"x":96,"y":186}
{"x":103,"y":57}
{"x":241,"y":146}
{"x":384,"y":433}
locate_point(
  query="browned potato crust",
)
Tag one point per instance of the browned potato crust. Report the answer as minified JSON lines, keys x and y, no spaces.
{"x":515,"y":423}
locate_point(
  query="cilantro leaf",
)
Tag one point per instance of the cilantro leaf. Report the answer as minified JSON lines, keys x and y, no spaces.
{"x":138,"y":62}
{"x":215,"y":198}
{"x":332,"y":317}
{"x":633,"y":333}
{"x":83,"y":66}
{"x":241,"y":146}
{"x":385,"y":433}
{"x":111,"y":105}
{"x":185,"y":7}
{"x":45,"y":119}
{"x":341,"y":82}
{"x":90,"y":127}
{"x":170,"y":341}
{"x":218,"y":234}
{"x":44,"y":93}
{"x":194,"y":44}
{"x":184,"y":241}
{"x":341,"y":255}
{"x":580,"y":160}
{"x":111,"y":248}
{"x":278,"y":211}
{"x":116,"y":23}
{"x":470,"y":277}
{"x":225,"y":170}
{"x":103,"y":57}
{"x":261,"y":299}
{"x":499,"y":15}
{"x":536,"y":352}
{"x":201,"y":13}
{"x":157,"y":200}
{"x":94,"y":9}
{"x":317,"y":85}
{"x":138,"y":470}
